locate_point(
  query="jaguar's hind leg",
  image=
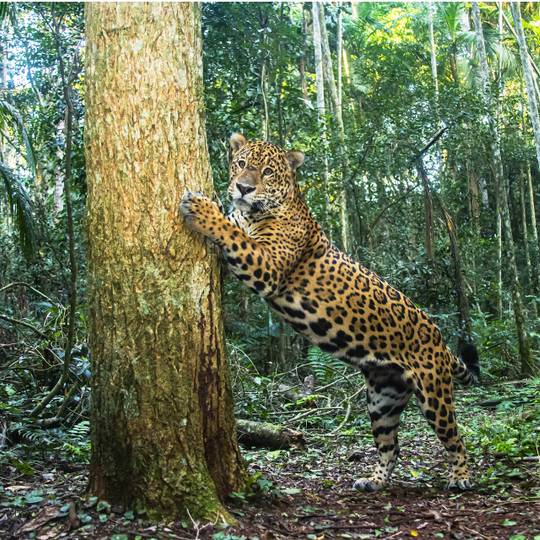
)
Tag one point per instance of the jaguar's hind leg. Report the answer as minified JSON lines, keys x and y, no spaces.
{"x":387,"y":396}
{"x":436,"y":400}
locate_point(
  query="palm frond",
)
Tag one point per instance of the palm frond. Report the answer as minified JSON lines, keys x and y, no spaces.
{"x":20,"y":208}
{"x":449,"y":14}
{"x":8,"y":110}
{"x":3,"y":12}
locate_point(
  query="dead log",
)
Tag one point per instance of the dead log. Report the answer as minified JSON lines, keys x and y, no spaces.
{"x":266,"y":435}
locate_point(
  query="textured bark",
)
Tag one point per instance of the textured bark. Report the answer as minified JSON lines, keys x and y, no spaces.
{"x":163,"y":433}
{"x":526,"y":361}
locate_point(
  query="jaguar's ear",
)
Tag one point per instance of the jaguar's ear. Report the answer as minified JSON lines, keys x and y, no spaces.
{"x":236,"y":141}
{"x":295,"y":159}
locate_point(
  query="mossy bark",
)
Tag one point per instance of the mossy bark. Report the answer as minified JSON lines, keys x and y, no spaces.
{"x":163,"y":431}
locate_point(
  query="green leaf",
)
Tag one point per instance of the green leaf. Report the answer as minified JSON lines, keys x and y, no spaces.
{"x":24,"y":467}
{"x":91,"y":501}
{"x":85,"y":518}
{"x":103,"y":506}
{"x":509,"y":523}
{"x":33,"y":497}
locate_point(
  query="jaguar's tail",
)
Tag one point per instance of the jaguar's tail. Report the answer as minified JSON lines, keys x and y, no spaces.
{"x":467,"y":370}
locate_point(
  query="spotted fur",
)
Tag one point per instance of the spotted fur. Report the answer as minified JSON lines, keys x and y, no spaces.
{"x":274,"y":245}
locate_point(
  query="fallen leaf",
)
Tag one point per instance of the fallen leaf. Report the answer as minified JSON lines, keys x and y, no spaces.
{"x":47,"y":514}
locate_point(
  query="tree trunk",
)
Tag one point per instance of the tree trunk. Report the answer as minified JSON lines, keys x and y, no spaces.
{"x":319,"y":74}
{"x":532,"y":279}
{"x":433,"y":53}
{"x":459,"y":278}
{"x":428,"y":212}
{"x":265,"y":119}
{"x":526,"y":361}
{"x":335,"y":100}
{"x":339,"y":54}
{"x":474,"y":195}
{"x":302,"y":59}
{"x":528,"y":75}
{"x":163,"y":431}
{"x":321,"y":106}
{"x":535,"y":247}
{"x":3,"y":85}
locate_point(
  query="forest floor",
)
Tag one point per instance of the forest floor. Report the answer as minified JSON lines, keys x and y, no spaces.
{"x":306,"y":494}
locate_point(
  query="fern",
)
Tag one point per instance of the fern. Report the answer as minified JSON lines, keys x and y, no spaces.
{"x":324,"y":365}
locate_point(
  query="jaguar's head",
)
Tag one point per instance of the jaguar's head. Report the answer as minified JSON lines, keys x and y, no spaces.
{"x":262,"y":175}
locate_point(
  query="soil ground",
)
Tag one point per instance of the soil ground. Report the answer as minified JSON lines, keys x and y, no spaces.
{"x":303,"y":494}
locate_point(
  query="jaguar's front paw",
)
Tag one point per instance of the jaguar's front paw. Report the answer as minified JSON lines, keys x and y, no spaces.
{"x":368,"y":484}
{"x":197,"y":210}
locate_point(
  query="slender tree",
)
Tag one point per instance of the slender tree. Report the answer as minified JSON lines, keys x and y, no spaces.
{"x":532,"y":213}
{"x":433,"y":50}
{"x":321,"y":105}
{"x":334,"y":91}
{"x":528,"y":76}
{"x":527,"y":363}
{"x":533,"y":262}
{"x":163,"y":434}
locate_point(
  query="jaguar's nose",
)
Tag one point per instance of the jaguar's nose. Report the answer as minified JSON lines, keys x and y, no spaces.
{"x":244,"y":189}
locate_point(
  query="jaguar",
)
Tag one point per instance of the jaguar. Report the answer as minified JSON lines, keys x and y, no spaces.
{"x":271,"y":241}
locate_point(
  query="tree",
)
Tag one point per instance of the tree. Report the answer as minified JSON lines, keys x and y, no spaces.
{"x":527,"y":363}
{"x":535,"y":122}
{"x":163,"y":436}
{"x":336,"y":102}
{"x":317,"y":14}
{"x":528,"y":75}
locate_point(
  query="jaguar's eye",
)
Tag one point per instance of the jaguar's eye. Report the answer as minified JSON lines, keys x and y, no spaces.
{"x":241,"y":163}
{"x":267,"y":171}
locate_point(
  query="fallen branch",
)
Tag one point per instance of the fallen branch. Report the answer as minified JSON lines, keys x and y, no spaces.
{"x":266,"y":435}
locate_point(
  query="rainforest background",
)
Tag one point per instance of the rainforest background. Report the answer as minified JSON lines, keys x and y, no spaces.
{"x":421,"y":131}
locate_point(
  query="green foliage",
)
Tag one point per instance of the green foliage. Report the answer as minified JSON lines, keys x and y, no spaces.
{"x":323,"y":365}
{"x":21,"y":209}
{"x":390,"y":109}
{"x":513,"y":431}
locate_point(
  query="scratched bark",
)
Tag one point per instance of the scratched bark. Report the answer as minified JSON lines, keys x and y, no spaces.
{"x":163,"y":428}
